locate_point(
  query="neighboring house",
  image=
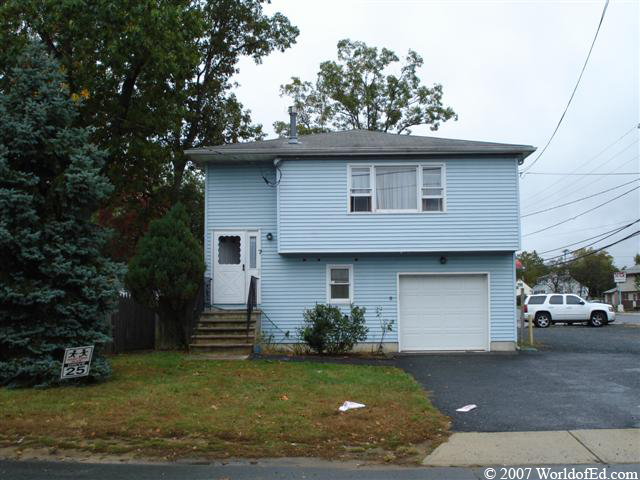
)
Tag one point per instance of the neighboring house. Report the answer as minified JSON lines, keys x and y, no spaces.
{"x":522,"y":287}
{"x":553,"y":283}
{"x":425,"y":228}
{"x":629,"y":289}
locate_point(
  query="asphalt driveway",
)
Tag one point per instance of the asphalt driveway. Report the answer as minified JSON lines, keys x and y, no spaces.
{"x":583,"y":377}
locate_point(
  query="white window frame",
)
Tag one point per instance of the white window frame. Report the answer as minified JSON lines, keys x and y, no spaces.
{"x":419,"y":197}
{"x":433,"y":197}
{"x":341,"y":301}
{"x":371,"y":187}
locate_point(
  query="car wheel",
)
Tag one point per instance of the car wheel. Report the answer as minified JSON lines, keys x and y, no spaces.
{"x":543,"y":320}
{"x":597,"y":319}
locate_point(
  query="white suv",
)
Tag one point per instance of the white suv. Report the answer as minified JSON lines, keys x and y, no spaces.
{"x":564,"y":308}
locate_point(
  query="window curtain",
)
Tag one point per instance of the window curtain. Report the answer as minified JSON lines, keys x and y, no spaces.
{"x":360,"y":180}
{"x":396,"y":188}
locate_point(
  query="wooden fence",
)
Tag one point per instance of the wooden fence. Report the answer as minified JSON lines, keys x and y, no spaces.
{"x":133,"y":327}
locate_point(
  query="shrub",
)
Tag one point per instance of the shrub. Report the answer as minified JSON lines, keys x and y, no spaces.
{"x":327,"y":330}
{"x":166,"y":273}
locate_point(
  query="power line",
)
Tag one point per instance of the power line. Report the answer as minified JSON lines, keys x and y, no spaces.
{"x":604,"y":10}
{"x":583,"y":213}
{"x":593,"y":252}
{"x":583,"y":165}
{"x":574,"y":231}
{"x":596,"y":241}
{"x":579,"y":199}
{"x":615,"y":230}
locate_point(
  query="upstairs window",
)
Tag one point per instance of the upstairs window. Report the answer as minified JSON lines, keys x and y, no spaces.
{"x":361,"y":193}
{"x":396,"y":188}
{"x":432,"y":189}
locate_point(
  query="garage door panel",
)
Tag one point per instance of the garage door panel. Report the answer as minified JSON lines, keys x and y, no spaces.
{"x":443,"y":312}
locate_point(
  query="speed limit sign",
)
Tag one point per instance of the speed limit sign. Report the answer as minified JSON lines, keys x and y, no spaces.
{"x":77,"y":361}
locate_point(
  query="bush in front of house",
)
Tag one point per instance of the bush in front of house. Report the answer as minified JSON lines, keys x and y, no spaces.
{"x":166,"y":272}
{"x":328,"y":330}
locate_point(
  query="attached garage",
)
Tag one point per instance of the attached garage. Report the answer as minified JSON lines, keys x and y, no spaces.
{"x":443,"y":311}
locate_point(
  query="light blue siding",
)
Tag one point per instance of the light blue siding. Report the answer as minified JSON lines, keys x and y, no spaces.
{"x":295,"y":283}
{"x":482,"y":204}
{"x":482,"y":211}
{"x":237,"y":197}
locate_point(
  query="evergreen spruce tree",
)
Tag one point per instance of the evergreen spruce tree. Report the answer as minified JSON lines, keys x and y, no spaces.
{"x":56,"y":287}
{"x":166,"y":272}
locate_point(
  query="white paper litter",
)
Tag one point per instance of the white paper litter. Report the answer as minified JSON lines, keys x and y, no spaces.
{"x":350,"y":405}
{"x":467,"y":408}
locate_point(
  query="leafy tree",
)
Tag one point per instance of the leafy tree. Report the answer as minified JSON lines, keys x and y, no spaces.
{"x":594,"y":270}
{"x":156,"y":78}
{"x":166,"y":272}
{"x":56,"y":287}
{"x":636,"y":259}
{"x":533,"y":267}
{"x":359,"y":91}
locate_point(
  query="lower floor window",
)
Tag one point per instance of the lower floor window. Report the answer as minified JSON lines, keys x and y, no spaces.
{"x":339,"y":283}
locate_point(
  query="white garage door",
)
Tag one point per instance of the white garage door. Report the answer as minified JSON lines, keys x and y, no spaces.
{"x":443,"y":312}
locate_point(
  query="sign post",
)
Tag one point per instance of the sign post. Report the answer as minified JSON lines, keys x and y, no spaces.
{"x":619,"y":278}
{"x":76,"y":362}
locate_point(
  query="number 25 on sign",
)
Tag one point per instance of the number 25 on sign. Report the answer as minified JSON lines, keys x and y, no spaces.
{"x":77,"y":361}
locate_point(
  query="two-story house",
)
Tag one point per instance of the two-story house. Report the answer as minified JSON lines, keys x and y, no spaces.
{"x":424,"y":228}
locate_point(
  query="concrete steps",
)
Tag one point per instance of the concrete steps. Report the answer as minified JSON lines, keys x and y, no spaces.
{"x":224,"y":332}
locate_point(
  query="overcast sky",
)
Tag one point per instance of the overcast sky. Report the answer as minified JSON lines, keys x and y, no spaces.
{"x":508,"y":69}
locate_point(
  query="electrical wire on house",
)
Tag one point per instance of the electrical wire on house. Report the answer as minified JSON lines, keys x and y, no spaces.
{"x":579,"y":199}
{"x":582,"y":213}
{"x":613,"y":231}
{"x":604,"y":10}
{"x":278,"y":177}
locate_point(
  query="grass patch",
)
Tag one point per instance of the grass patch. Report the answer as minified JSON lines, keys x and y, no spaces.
{"x":165,"y":405}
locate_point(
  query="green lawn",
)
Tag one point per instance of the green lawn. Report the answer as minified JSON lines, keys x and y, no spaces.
{"x":167,"y":405}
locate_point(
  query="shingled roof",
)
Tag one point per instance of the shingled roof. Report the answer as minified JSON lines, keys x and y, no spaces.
{"x":354,"y":142}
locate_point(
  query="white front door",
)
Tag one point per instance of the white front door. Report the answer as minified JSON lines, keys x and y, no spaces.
{"x":236,"y":258}
{"x":229,"y":269}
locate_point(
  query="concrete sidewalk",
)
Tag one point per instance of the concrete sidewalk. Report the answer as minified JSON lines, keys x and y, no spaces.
{"x":605,"y":446}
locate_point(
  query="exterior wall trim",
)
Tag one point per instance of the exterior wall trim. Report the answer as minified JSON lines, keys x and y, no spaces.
{"x":487,"y":274}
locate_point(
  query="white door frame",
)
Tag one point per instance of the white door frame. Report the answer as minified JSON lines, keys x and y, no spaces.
{"x":245,"y":234}
{"x":487,"y":274}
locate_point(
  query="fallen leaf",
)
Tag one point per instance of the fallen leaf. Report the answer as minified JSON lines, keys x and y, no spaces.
{"x":284,"y":397}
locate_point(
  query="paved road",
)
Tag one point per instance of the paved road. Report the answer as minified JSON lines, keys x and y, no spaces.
{"x":628,"y":318}
{"x":583,"y":378}
{"x":11,"y":470}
